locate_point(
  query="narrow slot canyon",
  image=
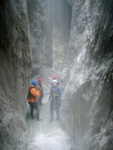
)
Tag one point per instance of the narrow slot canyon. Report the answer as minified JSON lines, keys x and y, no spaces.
{"x":73,"y":40}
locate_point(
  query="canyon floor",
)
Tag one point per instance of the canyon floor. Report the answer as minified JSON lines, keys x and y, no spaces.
{"x":43,"y":135}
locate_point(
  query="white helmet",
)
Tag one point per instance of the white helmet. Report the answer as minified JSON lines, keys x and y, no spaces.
{"x":54,"y":81}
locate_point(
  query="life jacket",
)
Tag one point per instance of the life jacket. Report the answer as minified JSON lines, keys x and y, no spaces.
{"x":31,"y":97}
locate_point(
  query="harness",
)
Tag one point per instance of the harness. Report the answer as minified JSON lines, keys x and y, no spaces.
{"x":55,"y":92}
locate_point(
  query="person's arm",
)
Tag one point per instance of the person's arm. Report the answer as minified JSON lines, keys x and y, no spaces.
{"x":35,"y":92}
{"x":60,"y":91}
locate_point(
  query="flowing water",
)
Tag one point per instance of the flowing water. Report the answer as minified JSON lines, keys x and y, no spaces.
{"x":43,"y":135}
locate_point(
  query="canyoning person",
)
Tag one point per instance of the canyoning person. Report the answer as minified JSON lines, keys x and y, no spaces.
{"x":54,"y":97}
{"x":33,"y":95}
{"x":41,"y":91}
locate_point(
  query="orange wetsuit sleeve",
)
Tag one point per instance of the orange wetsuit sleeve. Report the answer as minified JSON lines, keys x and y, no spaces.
{"x":35,"y":92}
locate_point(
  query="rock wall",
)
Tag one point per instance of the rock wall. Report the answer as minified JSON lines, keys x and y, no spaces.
{"x":40,"y":36}
{"x":15,"y":62}
{"x":49,"y":23}
{"x":60,"y":11}
{"x":88,"y":100}
{"x":88,"y":75}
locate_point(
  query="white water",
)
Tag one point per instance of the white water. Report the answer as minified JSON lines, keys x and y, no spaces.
{"x":44,"y":135}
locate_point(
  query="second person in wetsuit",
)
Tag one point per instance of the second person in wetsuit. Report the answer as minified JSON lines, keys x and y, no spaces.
{"x":55,"y":97}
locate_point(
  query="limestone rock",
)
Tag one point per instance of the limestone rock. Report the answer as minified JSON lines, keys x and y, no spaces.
{"x":15,"y":62}
{"x":88,"y":100}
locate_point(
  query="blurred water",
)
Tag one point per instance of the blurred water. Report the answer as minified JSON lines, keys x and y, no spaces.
{"x":44,"y":135}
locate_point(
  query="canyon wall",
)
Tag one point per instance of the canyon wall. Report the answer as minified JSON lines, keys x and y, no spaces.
{"x":88,"y":100}
{"x":15,"y":63}
{"x":40,"y":37}
{"x":34,"y":30}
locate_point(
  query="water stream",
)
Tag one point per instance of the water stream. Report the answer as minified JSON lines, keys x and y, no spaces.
{"x":43,"y":135}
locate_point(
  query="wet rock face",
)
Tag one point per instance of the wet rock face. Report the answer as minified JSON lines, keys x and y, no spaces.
{"x":40,"y":36}
{"x":49,"y":23}
{"x":60,"y":12}
{"x":88,"y":100}
{"x":14,"y":71}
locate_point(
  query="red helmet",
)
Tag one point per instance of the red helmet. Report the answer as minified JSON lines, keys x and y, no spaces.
{"x":53,"y":77}
{"x":40,"y":80}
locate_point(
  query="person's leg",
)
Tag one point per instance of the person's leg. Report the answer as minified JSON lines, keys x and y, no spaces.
{"x":41,"y":100}
{"x":57,"y":107}
{"x":31,"y":111}
{"x":51,"y":110}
